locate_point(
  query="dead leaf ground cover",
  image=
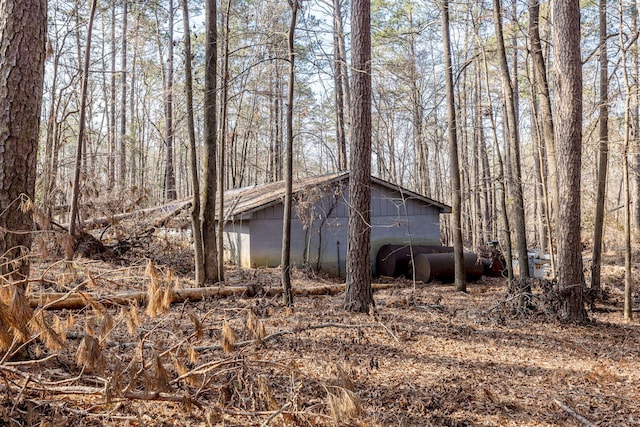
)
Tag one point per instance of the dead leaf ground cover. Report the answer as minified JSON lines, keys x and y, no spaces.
{"x":429,"y":356}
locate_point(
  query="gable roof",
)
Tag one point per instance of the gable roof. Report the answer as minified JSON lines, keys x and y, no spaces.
{"x":244,"y":201}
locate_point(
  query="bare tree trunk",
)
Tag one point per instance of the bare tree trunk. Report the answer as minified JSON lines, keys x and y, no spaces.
{"x":539,"y":193}
{"x":603,"y":151}
{"x":23,"y":31}
{"x":628,"y":281}
{"x":135,"y":141}
{"x":635,"y":120}
{"x":195,"y":182}
{"x":276,"y":123}
{"x":550,"y":184}
{"x":123,"y":100}
{"x":223,"y":142}
{"x":514,"y":144}
{"x":112,"y":119}
{"x":210,"y":140}
{"x":346,"y":85}
{"x":456,"y":197}
{"x":82,"y":126}
{"x":48,"y":172}
{"x":170,"y":178}
{"x":538,"y":167}
{"x":339,"y":70}
{"x":287,"y":296}
{"x":417,"y":120}
{"x":568,"y":104}
{"x":271,"y":169}
{"x":486,"y":182}
{"x":359,"y":295}
{"x":163,"y":72}
{"x":477,"y":180}
{"x":464,"y":166}
{"x":55,"y":154}
{"x":438,"y":185}
{"x":501,"y":180}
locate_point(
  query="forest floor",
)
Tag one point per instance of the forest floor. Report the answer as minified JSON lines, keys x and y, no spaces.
{"x":428,"y":356}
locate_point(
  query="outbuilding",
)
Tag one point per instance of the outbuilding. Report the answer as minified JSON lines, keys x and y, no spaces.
{"x":253,"y":222}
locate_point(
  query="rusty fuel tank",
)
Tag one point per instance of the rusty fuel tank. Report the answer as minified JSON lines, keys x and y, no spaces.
{"x":434,"y":266}
{"x":395,"y":260}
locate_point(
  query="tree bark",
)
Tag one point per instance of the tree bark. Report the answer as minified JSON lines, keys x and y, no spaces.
{"x":358,"y":295}
{"x":514,"y":145}
{"x":338,"y":78}
{"x":73,"y":219}
{"x":224,"y":123}
{"x":538,"y":166}
{"x":628,"y":281}
{"x":477,"y":134}
{"x":210,"y":140}
{"x":456,"y":196}
{"x":48,"y":172}
{"x":196,"y":225}
{"x":548,"y":168}
{"x":287,"y":297}
{"x":635,"y":120}
{"x":112,"y":107}
{"x":275,"y":121}
{"x":502,"y":196}
{"x":417,"y":116}
{"x":568,"y":109}
{"x":22,"y":54}
{"x":170,"y":178}
{"x":123,"y":100}
{"x":135,"y":143}
{"x":603,"y":151}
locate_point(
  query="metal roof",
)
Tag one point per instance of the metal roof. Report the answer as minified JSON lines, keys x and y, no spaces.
{"x":246,"y":200}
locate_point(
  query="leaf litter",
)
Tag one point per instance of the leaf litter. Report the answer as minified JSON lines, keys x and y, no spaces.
{"x":428,"y":356}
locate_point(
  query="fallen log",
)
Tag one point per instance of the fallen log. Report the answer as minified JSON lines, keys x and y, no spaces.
{"x":106,"y":220}
{"x":78,"y":300}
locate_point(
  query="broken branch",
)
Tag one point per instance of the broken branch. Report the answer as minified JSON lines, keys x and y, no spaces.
{"x":573,"y":413}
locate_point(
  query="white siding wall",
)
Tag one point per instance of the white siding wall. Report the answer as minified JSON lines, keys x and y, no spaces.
{"x":237,"y":244}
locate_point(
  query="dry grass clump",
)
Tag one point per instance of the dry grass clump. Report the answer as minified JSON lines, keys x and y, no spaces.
{"x":15,"y":317}
{"x":265,"y":394}
{"x":90,"y":354}
{"x":161,"y":380}
{"x":132,"y":319}
{"x":198,"y":329}
{"x":255,"y":326}
{"x":342,"y":401}
{"x":228,"y":338}
{"x":6,"y":320}
{"x":344,"y":405}
{"x":53,"y":340}
{"x":99,"y":325}
{"x":159,"y":291}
